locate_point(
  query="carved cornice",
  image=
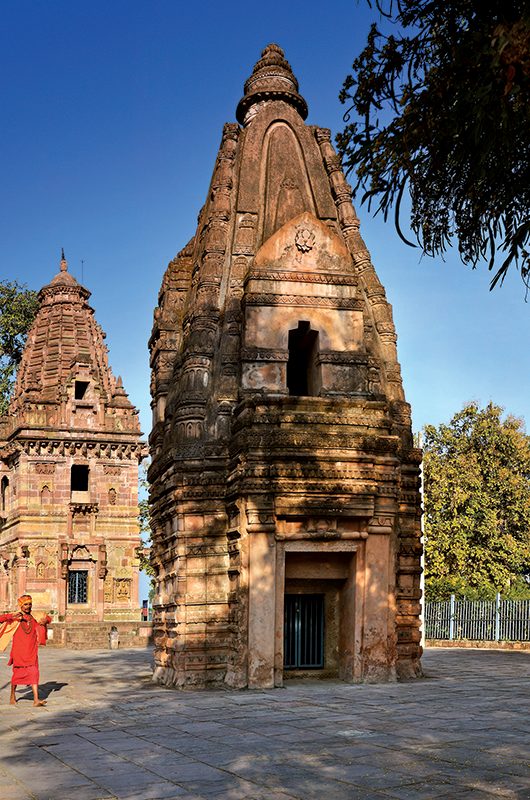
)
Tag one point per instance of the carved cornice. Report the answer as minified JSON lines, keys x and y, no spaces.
{"x":304,"y":487}
{"x":349,"y":421}
{"x":84,"y":508}
{"x":348,"y":303}
{"x":329,"y":357}
{"x":206,"y":550}
{"x":330,"y":472}
{"x":328,"y":278}
{"x":261,"y":520}
{"x":123,"y":451}
{"x":191,"y":408}
{"x":263,"y":354}
{"x":67,"y":292}
{"x":299,"y":441}
{"x":195,"y":359}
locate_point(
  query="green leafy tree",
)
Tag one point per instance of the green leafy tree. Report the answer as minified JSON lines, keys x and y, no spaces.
{"x":477,"y":504}
{"x":144,"y":519}
{"x":18,"y":306}
{"x":439,"y":105}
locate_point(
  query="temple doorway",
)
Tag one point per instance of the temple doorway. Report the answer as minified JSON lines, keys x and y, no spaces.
{"x":318,"y":613}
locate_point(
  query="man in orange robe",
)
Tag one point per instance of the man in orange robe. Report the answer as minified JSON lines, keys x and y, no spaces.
{"x":25,"y":648}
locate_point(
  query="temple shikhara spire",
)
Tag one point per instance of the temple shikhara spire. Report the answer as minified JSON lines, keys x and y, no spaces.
{"x":69,"y":453}
{"x":272,"y":79}
{"x":284,"y":480}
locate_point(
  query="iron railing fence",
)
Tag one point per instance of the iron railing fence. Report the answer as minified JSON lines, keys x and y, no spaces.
{"x":480,"y":620}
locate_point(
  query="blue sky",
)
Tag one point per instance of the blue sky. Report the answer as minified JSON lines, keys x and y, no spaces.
{"x":112,"y":114}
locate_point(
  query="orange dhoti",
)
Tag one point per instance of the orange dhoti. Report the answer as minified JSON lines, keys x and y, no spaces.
{"x":25,"y":676}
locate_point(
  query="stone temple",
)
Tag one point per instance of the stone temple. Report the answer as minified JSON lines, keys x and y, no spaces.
{"x":284,"y":480}
{"x":69,"y":453}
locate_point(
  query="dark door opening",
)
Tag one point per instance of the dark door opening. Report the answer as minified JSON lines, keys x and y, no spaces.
{"x":302,"y":378}
{"x":303,"y":631}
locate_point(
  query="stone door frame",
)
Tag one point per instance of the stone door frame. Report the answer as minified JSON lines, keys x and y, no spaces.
{"x":351,"y":616}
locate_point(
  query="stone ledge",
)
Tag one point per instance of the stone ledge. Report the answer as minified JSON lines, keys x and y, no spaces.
{"x":95,"y":635}
{"x":478,"y":643}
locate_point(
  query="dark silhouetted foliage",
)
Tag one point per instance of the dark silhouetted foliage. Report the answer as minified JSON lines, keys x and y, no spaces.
{"x":440,"y":108}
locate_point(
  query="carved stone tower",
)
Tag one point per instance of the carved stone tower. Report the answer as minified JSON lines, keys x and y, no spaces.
{"x":284,"y":481}
{"x":69,"y":453}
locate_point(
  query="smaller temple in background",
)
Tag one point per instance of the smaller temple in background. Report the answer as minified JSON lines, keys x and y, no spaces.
{"x":70,"y":449}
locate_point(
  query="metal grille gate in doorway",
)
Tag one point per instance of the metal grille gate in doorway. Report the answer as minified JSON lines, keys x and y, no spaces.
{"x":303,"y":631}
{"x":77,"y":586}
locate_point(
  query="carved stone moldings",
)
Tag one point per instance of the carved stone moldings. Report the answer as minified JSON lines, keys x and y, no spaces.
{"x":260,"y":520}
{"x":84,"y":508}
{"x":346,"y":357}
{"x":201,"y":550}
{"x":331,"y":278}
{"x":245,"y":235}
{"x":45,"y":468}
{"x":262,"y":354}
{"x":49,"y":447}
{"x":346,"y":303}
{"x":109,"y":469}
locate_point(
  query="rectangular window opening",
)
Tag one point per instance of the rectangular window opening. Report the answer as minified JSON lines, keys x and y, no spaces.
{"x":79,"y":478}
{"x":80,"y":389}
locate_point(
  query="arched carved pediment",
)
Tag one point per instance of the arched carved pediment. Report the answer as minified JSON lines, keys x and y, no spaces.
{"x":81,"y":553}
{"x":286,"y":188}
{"x":304,"y":243}
{"x":263,"y":169}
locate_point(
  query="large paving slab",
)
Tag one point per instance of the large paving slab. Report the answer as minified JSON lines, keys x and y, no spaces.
{"x":108,"y":732}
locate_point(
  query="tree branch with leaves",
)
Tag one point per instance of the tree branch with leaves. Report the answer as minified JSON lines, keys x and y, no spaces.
{"x":18,"y":307}
{"x":439,"y":107}
{"x":143,"y":551}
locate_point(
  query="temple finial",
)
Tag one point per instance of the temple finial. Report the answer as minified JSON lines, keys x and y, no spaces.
{"x":272,"y":79}
{"x":64,"y":262}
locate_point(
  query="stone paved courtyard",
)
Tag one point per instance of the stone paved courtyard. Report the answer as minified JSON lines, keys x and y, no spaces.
{"x":108,"y":732}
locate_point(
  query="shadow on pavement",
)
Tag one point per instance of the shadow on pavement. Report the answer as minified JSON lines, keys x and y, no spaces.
{"x":46,"y":689}
{"x":109,"y":732}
